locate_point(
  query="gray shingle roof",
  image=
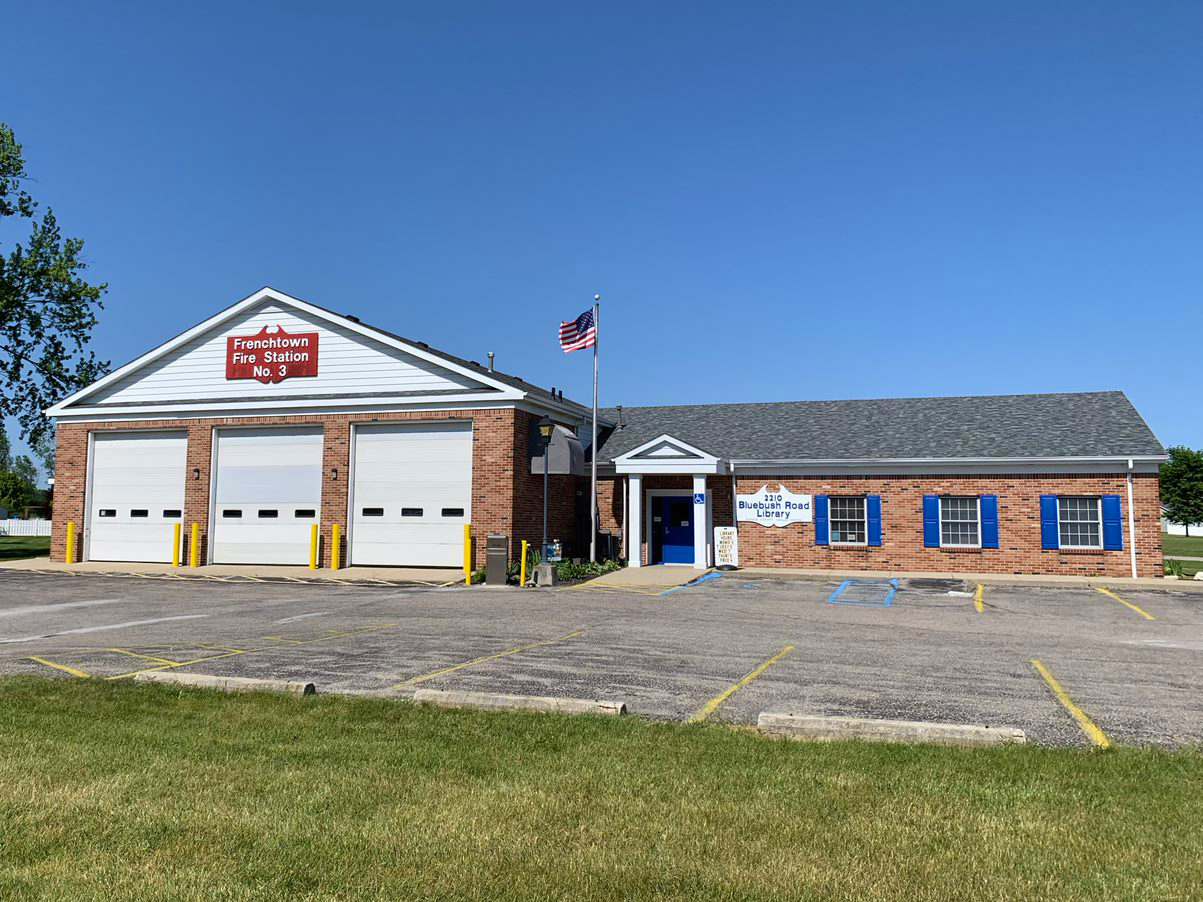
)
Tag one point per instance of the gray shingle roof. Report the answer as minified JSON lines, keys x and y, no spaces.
{"x":1086,"y":424}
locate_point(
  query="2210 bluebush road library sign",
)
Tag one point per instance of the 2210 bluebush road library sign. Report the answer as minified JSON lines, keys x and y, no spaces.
{"x":275,"y":415}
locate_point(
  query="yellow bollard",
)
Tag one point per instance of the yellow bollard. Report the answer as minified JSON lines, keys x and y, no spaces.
{"x":194,"y":548}
{"x":175,"y":545}
{"x":467,"y":554}
{"x":334,"y":549}
{"x":70,"y":542}
{"x":522,"y":568}
{"x":313,"y":547}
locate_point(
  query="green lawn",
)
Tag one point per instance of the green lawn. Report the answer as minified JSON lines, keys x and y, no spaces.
{"x":134,"y":792}
{"x":14,"y":547}
{"x":1191,"y":546}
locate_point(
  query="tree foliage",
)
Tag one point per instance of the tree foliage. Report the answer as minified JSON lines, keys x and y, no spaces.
{"x":1182,"y":486}
{"x":47,"y":309}
{"x":19,"y":486}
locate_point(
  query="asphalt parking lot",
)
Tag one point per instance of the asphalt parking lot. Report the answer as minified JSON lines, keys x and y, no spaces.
{"x":726,"y":649}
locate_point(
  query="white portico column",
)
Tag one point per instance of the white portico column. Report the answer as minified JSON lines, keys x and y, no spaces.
{"x":635,"y":520}
{"x":700,"y":518}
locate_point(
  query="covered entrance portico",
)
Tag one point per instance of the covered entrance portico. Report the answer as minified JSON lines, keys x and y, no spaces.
{"x":669,"y":525}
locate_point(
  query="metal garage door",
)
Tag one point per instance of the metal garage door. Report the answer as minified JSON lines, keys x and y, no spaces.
{"x":412,"y":494}
{"x":268,"y":494}
{"x":136,"y":495}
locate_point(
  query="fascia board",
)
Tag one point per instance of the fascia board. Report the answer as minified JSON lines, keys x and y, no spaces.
{"x":648,"y":466}
{"x":1141,"y":464}
{"x":293,"y":408}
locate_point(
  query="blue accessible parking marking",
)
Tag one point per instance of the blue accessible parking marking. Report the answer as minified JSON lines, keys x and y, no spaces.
{"x":870,"y":593}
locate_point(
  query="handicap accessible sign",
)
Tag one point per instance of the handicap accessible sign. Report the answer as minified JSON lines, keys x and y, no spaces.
{"x":778,"y":508}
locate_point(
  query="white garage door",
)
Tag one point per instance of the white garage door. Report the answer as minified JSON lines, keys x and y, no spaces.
{"x":268,"y":495}
{"x":136,"y":495}
{"x":412,"y":494}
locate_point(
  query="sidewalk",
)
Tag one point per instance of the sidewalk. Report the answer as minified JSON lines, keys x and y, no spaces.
{"x":1174,"y":585}
{"x":430,"y":576}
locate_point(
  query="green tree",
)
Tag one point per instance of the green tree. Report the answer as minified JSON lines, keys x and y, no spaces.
{"x":5,"y":449}
{"x":47,"y":310}
{"x":1182,"y":486}
{"x":19,"y":486}
{"x":43,"y":449}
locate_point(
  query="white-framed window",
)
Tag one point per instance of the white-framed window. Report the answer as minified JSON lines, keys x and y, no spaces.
{"x":1080,"y":521}
{"x":847,"y":516}
{"x":960,"y":521}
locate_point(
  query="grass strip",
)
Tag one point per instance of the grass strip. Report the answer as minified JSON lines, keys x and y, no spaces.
{"x":114,"y":791}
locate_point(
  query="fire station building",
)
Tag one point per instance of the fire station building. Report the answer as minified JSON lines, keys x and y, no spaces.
{"x":276,"y":415}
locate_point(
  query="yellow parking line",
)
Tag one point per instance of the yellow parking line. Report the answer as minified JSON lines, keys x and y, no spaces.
{"x":134,"y":654}
{"x":977,"y":597}
{"x":1097,"y":736}
{"x":63,"y":667}
{"x":713,"y":705}
{"x":1127,"y":604}
{"x":250,"y":651}
{"x":413,"y":681}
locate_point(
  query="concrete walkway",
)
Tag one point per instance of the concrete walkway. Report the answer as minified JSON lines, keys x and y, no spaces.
{"x":985,"y":578}
{"x":427,"y":575}
{"x":655,"y":577}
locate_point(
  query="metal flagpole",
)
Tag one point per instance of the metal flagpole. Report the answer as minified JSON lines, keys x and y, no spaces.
{"x":593,"y":490}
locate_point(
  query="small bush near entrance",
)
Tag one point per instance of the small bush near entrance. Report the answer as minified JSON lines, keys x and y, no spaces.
{"x":115,"y":792}
{"x":567,"y":570}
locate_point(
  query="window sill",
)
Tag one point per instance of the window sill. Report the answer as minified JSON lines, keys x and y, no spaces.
{"x":850,"y":546}
{"x":1078,"y":550}
{"x":963,"y":549}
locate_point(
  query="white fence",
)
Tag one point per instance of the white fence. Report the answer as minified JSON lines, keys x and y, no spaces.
{"x":24,"y":527}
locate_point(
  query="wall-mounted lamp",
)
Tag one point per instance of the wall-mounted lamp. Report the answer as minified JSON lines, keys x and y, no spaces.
{"x":334,"y":472}
{"x":196,"y":472}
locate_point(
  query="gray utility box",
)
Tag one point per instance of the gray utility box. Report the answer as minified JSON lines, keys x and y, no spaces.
{"x":497,"y":559}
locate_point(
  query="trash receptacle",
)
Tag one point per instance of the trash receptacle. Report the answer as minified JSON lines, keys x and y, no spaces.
{"x":497,"y":559}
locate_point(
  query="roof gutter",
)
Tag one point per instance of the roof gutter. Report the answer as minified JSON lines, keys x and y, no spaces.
{"x":928,"y":461}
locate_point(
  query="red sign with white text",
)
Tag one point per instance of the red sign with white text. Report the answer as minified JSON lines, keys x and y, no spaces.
{"x":271,"y":355}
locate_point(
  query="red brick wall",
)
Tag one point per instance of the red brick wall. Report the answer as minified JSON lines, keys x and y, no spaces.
{"x":527,"y":497}
{"x":501,"y":483}
{"x":902,"y":523}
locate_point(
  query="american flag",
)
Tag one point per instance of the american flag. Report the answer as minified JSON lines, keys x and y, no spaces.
{"x":579,"y":333}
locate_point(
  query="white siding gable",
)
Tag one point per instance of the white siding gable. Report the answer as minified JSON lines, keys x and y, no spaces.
{"x":348,"y":364}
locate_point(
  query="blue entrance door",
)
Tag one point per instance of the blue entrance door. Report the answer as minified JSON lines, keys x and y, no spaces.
{"x":672,"y":529}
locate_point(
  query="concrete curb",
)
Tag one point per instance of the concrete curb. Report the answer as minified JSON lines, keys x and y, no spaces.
{"x":988,"y":579}
{"x":452,"y":699}
{"x":225,"y":684}
{"x":802,"y":726}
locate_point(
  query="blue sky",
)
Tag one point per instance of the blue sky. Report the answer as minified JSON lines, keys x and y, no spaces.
{"x":776,"y":201}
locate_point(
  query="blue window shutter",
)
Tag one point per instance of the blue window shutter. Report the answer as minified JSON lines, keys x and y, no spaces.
{"x":989,"y":521}
{"x":931,"y":521}
{"x":820,"y":519}
{"x":1113,"y":524}
{"x":873,"y":512}
{"x":1049,"y":538}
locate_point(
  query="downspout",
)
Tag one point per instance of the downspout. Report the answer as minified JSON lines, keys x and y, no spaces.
{"x":1131,"y":519}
